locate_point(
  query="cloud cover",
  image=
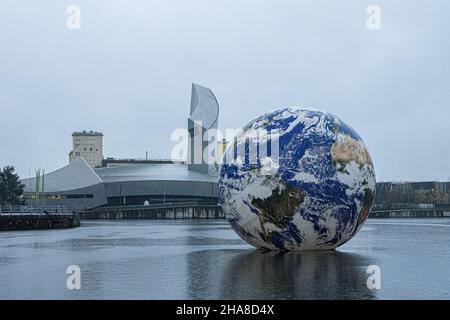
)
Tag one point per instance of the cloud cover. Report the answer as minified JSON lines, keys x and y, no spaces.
{"x":127,"y":73}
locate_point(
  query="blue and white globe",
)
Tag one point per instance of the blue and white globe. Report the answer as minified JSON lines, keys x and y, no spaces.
{"x":315,"y":194}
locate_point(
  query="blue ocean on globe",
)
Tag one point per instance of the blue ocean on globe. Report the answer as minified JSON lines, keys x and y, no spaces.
{"x":296,"y":179}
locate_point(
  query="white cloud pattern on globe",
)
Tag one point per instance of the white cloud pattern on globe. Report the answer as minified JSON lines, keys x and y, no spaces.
{"x":316,"y":196}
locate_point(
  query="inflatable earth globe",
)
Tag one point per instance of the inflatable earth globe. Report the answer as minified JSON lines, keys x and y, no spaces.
{"x":296,"y":179}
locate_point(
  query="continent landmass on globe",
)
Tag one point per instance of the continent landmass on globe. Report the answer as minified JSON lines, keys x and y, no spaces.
{"x":345,"y":151}
{"x":367,"y":204}
{"x":278,"y":208}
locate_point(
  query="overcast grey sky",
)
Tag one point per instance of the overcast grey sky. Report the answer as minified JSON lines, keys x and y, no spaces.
{"x":128,"y":72}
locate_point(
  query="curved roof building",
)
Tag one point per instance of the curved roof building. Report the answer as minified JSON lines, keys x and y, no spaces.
{"x":76,"y":175}
{"x":79,"y":186}
{"x":75,"y":185}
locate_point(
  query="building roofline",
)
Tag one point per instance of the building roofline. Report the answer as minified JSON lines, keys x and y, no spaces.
{"x":86,"y":133}
{"x":93,"y":171}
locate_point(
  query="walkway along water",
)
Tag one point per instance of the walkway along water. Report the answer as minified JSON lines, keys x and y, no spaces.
{"x":194,"y":210}
{"x":184,"y":210}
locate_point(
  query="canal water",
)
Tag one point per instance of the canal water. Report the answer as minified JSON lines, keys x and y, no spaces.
{"x":206,"y":260}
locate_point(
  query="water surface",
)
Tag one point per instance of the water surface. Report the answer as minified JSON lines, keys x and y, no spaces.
{"x":181,"y":259}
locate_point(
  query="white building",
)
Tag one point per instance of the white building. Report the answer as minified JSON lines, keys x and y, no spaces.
{"x":202,"y":124}
{"x":89,"y":145}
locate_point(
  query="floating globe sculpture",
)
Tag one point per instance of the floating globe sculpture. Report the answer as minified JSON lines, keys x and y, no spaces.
{"x":296,"y":179}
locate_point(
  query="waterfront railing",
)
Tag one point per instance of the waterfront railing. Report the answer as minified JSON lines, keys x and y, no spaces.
{"x":33,"y":210}
{"x":410,"y":206}
{"x":165,"y":205}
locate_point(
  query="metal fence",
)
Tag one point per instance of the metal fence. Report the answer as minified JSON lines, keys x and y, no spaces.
{"x":150,"y":206}
{"x":33,"y":210}
{"x":411,"y":206}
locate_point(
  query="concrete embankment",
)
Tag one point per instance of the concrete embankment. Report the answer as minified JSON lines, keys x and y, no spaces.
{"x":212,"y":211}
{"x":163,"y":211}
{"x":410,"y":213}
{"x":34,"y":222}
